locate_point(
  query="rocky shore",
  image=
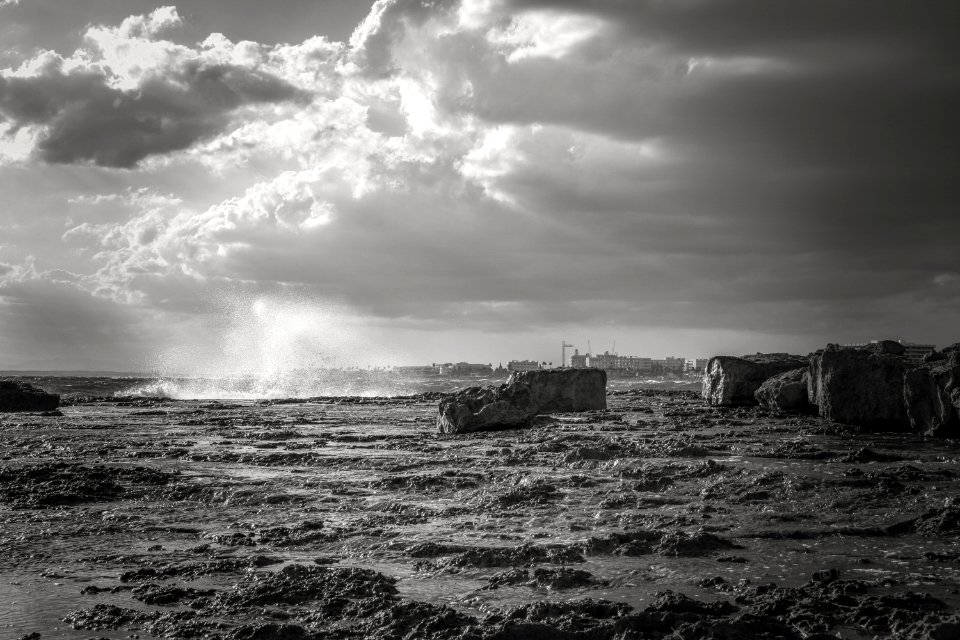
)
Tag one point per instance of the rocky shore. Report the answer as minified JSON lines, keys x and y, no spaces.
{"x":873,"y":386}
{"x":662,"y":515}
{"x":524,"y":396}
{"x":16,"y":395}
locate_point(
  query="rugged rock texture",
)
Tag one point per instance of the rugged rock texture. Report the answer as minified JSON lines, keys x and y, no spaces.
{"x":525,"y":395}
{"x":21,"y":396}
{"x":564,"y":389}
{"x":932,"y":394}
{"x":734,"y":381}
{"x":863,"y":386}
{"x":480,"y":408}
{"x":786,"y":392}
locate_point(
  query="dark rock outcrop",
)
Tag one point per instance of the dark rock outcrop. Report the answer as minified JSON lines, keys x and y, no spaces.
{"x":862,"y":386}
{"x":525,"y":395}
{"x":21,"y":396}
{"x":785,"y":391}
{"x":729,"y":380}
{"x":932,"y":394}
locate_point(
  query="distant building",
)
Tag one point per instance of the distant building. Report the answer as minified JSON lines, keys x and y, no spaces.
{"x":523,"y":365}
{"x":611,"y":362}
{"x":698,"y":365}
{"x":578,"y":361}
{"x":912,"y":351}
{"x":669,"y":365}
{"x":465,"y":369}
{"x":634,"y":363}
{"x":605,"y":360}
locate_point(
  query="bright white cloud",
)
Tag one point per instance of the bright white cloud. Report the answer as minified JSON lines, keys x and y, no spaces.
{"x":129,"y":93}
{"x":132,"y":51}
{"x":16,"y":144}
{"x":494,"y":157}
{"x":139,"y":199}
{"x":548,"y":34}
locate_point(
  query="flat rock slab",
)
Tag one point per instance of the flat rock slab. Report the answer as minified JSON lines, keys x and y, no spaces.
{"x":525,"y":395}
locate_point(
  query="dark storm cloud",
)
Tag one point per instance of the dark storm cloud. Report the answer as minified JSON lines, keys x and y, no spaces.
{"x":863,"y":85}
{"x":820,"y":138}
{"x":848,"y":83}
{"x":49,"y":323}
{"x":725,"y":27}
{"x":84,"y":118}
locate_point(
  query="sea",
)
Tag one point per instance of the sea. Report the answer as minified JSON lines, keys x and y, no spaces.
{"x":290,"y":384}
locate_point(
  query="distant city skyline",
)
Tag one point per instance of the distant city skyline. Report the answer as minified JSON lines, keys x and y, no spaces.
{"x":213,"y":185}
{"x":554,"y":360}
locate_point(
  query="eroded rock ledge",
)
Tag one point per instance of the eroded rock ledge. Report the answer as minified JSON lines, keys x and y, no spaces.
{"x":525,"y":395}
{"x":22,"y":396}
{"x":872,"y":386}
{"x":731,"y":381}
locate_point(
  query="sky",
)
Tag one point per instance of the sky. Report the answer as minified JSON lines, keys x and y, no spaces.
{"x":234,"y":182}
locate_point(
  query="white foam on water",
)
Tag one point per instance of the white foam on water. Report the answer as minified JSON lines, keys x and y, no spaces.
{"x":307,"y":385}
{"x":274,"y":347}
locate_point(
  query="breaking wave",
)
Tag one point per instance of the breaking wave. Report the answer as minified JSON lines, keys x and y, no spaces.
{"x":269,"y":347}
{"x":285,"y":385}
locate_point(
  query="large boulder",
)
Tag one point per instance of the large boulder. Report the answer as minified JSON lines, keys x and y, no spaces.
{"x":862,"y":386}
{"x":785,"y":391}
{"x":729,"y":380}
{"x":22,"y":396}
{"x":932,"y":394}
{"x":524,"y":395}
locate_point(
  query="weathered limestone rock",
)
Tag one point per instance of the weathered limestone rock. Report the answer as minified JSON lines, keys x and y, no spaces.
{"x":729,"y":380}
{"x":564,"y":389}
{"x":525,"y":395}
{"x":786,"y":391}
{"x":860,"y":385}
{"x":21,"y":396}
{"x":932,"y":394}
{"x":481,"y":408}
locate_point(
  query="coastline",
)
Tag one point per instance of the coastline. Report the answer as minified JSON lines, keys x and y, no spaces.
{"x":208,"y":517}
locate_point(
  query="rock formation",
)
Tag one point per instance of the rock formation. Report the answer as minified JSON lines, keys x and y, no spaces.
{"x":729,"y":380}
{"x":932,"y":394}
{"x":862,"y":386}
{"x":873,"y":386}
{"x":21,"y":396}
{"x":786,"y":391}
{"x":524,"y":395}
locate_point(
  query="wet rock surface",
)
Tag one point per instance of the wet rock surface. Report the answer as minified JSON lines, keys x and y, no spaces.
{"x":786,"y":391}
{"x":862,"y":386}
{"x":733,"y":381}
{"x":37,"y":486}
{"x":660,"y":517}
{"x":524,"y":396}
{"x":16,"y":395}
{"x":932,"y":394}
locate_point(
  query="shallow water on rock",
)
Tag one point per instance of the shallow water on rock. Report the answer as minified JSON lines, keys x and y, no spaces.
{"x":171,"y":507}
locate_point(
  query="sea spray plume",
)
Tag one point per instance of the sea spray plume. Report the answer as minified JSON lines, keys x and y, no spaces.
{"x":273,"y":347}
